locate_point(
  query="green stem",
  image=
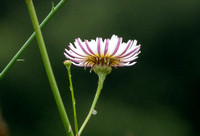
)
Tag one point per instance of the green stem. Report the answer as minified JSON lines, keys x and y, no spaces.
{"x":102,"y":77}
{"x":48,"y":68}
{"x":73,"y":100}
{"x":44,"y":22}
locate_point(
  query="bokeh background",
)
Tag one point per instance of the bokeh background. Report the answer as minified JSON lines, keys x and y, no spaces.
{"x":156,"y":97}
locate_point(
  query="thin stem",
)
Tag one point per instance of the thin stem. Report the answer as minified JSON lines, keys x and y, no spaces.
{"x":48,"y":68}
{"x":73,"y":100}
{"x":102,"y":77}
{"x":27,"y":43}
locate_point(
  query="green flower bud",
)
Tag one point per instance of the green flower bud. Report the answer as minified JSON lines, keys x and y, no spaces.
{"x":67,"y":63}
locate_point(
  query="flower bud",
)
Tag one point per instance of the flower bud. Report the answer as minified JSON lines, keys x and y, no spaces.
{"x":67,"y":63}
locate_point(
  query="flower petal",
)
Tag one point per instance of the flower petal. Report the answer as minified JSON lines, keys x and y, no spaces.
{"x":81,"y":45}
{"x":99,"y":46}
{"x":88,"y":47}
{"x":106,"y":46}
{"x":117,"y":46}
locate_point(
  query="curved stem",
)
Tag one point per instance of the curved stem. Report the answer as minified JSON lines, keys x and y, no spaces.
{"x":102,"y":77}
{"x":48,"y":68}
{"x":73,"y":100}
{"x":44,"y":22}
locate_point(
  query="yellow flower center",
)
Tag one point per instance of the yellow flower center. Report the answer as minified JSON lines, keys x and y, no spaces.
{"x":102,"y":60}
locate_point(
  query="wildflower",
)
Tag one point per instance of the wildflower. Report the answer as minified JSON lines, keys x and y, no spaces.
{"x":101,"y":56}
{"x":98,"y":53}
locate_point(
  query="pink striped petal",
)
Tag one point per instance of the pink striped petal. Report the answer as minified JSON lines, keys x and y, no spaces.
{"x":117,"y":46}
{"x":72,"y":54}
{"x":99,"y":46}
{"x":78,"y":40}
{"x":88,"y":47}
{"x":72,"y":49}
{"x":130,"y":42}
{"x":134,"y":50}
{"x":106,"y":46}
{"x":72,"y":59}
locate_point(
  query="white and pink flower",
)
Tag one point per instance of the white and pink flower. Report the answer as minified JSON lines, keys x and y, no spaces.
{"x":110,"y":52}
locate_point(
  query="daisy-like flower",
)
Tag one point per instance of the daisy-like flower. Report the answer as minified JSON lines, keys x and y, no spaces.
{"x":109,"y":52}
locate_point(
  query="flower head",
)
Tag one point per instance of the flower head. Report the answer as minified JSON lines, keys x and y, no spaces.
{"x":110,"y":52}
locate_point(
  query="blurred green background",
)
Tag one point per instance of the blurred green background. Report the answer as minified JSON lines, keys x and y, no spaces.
{"x":156,"y":97}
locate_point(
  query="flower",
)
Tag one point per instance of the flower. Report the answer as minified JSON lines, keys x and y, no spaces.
{"x":110,"y":52}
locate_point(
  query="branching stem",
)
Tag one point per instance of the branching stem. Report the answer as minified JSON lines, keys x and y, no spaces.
{"x":48,"y":68}
{"x":27,"y":43}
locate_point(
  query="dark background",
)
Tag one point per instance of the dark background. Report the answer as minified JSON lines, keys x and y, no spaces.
{"x":156,"y":97}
